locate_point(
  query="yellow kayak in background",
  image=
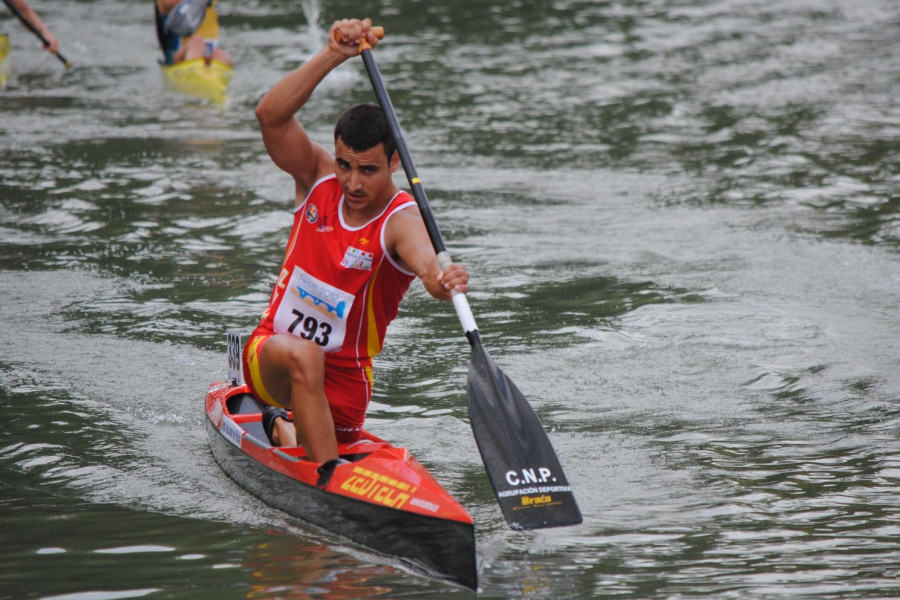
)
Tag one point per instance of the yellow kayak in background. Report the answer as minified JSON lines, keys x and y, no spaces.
{"x":200,"y":80}
{"x":5,"y":67}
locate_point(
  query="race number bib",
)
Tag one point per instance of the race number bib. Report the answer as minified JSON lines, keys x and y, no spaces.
{"x":314,"y":310}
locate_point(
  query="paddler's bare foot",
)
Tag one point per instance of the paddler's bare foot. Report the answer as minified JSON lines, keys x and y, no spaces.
{"x":278,"y":427}
{"x":284,"y":434}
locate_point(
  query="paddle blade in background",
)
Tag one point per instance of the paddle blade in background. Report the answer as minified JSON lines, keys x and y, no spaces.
{"x":528,"y":480}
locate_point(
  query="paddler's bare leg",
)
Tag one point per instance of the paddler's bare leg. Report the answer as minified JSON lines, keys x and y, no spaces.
{"x":196,"y":48}
{"x":293,"y":371}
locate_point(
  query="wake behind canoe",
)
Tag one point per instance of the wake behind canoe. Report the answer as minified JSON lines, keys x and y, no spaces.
{"x":383,"y":499}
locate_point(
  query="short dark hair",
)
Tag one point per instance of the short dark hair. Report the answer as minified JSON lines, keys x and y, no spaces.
{"x":365,"y":126}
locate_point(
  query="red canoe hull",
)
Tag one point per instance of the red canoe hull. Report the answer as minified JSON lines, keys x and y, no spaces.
{"x":383,"y":499}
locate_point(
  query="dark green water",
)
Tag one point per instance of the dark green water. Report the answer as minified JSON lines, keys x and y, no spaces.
{"x":682,"y":220}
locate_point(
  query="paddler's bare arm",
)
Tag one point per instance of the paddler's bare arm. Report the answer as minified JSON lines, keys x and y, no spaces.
{"x":407,"y":240}
{"x":286,"y":141}
{"x":35,"y":19}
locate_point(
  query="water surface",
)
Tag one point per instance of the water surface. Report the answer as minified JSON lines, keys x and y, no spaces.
{"x":681,"y":219}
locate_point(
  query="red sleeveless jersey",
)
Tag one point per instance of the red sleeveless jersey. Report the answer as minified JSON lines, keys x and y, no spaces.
{"x":338,"y":286}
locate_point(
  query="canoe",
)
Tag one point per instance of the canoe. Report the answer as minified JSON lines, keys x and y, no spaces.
{"x":199,"y":80}
{"x":382,"y":500}
{"x":5,"y":66}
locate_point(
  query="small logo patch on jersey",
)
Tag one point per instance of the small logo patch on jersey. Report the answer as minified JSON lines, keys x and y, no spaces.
{"x":324,"y":227}
{"x":354,"y":258}
{"x":312,"y":214}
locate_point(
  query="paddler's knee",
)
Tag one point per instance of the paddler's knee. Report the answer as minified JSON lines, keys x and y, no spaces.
{"x":193,"y":48}
{"x":306,"y":362}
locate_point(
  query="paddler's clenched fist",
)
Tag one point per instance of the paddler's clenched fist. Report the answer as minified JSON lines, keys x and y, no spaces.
{"x":347,"y":34}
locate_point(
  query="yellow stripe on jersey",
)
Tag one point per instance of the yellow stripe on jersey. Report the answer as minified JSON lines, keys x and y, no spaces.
{"x":373,"y":342}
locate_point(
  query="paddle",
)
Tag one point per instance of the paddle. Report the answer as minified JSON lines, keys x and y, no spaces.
{"x":34,"y":30}
{"x":525,"y":473}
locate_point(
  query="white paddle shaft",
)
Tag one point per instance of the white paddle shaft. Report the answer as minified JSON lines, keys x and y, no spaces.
{"x":460,"y":302}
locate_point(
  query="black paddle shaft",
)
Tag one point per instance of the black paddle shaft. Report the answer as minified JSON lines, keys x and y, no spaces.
{"x":34,"y":30}
{"x":418,"y":190}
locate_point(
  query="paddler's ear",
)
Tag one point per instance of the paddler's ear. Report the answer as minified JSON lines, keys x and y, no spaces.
{"x":395,"y":161}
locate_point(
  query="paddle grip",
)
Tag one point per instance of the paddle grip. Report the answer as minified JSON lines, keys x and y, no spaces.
{"x":378,"y":31}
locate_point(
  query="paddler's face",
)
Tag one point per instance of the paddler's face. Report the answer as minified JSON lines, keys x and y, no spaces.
{"x":365,"y":177}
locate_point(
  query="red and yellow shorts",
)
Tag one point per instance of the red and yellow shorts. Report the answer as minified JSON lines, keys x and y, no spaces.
{"x":348,"y":390}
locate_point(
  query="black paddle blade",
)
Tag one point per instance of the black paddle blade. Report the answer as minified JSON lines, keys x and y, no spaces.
{"x":526,"y":475}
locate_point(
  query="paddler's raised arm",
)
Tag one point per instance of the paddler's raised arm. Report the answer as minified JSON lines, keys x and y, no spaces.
{"x":286,"y":141}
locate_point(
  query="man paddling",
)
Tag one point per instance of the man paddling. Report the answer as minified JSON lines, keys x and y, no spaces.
{"x":357,"y":243}
{"x":189,"y":29}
